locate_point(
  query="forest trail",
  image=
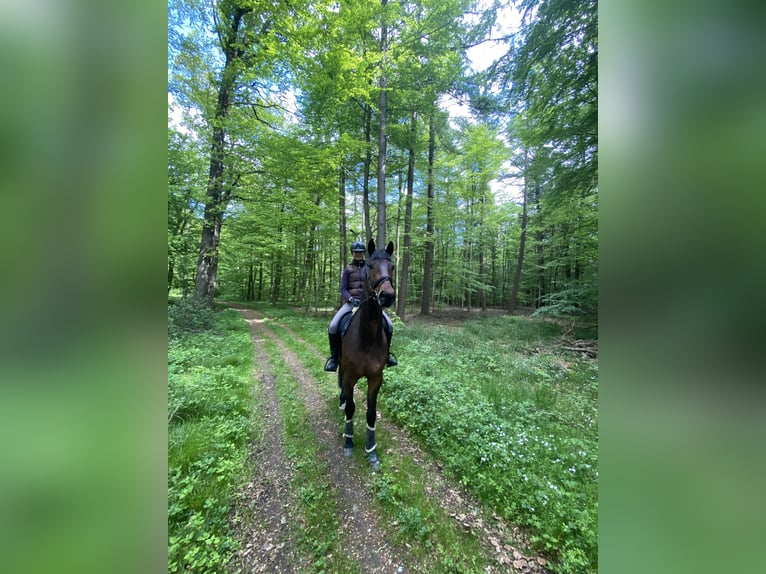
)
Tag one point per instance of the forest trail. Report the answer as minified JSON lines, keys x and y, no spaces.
{"x":267,"y":527}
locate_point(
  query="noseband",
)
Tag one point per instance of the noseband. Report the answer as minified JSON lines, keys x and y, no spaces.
{"x":371,"y":289}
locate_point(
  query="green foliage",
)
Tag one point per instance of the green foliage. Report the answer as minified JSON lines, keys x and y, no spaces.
{"x":189,"y":314}
{"x":512,"y":420}
{"x":209,"y":426}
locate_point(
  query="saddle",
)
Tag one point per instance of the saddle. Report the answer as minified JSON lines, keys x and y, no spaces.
{"x":345,"y":321}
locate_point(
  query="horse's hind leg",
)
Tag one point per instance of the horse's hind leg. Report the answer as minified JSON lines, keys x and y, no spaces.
{"x":373,"y":386}
{"x":347,"y":393}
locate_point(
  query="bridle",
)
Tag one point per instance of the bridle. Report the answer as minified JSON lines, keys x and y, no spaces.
{"x":372,"y":290}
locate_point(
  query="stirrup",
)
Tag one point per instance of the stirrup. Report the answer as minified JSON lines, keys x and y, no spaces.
{"x":331,"y":365}
{"x":391,"y":360}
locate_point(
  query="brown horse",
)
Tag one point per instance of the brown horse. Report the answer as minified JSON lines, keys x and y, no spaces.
{"x":365,"y":348}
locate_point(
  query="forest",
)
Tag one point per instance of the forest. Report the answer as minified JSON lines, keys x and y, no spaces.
{"x":295,"y":128}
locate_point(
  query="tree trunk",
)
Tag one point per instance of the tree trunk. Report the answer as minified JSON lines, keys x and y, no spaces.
{"x":425,"y":302}
{"x":539,"y":250}
{"x":482,"y":300}
{"x":366,"y":181}
{"x":216,"y":196}
{"x":260,"y":281}
{"x":403,"y":275}
{"x":382,"y":132}
{"x":250,"y":295}
{"x":342,"y":211}
{"x":171,"y":265}
{"x":522,"y":242}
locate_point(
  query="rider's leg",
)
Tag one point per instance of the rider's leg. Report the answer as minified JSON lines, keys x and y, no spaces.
{"x":334,"y":338}
{"x":388,"y":327}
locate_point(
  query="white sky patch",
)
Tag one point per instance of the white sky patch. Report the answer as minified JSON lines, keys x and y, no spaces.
{"x":483,"y":55}
{"x":510,"y":188}
{"x":176,"y":117}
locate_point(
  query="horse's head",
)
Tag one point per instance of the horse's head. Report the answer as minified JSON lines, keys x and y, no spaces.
{"x":380,"y":286}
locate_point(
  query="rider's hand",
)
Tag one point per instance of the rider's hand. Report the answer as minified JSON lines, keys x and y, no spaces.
{"x":355,"y":302}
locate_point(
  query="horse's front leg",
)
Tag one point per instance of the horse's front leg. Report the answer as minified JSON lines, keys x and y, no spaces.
{"x":342,"y":397}
{"x":347,"y":394}
{"x":373,"y":386}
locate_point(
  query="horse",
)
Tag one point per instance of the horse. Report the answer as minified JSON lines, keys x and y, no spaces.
{"x":364,"y":348}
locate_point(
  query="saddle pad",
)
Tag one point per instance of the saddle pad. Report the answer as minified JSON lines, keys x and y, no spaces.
{"x":344,"y":322}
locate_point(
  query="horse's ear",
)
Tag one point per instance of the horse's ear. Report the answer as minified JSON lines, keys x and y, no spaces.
{"x":371,"y":247}
{"x":390,"y":248}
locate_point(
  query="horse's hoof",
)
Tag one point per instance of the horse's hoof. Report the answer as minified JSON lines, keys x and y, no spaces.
{"x":348,"y":452}
{"x":374,"y":461}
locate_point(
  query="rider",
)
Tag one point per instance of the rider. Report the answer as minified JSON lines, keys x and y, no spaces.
{"x":352,"y":289}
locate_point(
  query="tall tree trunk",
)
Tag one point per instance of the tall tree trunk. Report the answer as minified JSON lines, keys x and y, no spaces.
{"x":404,"y":274}
{"x":171,"y":266}
{"x":277,"y":280}
{"x":217,"y":196}
{"x":539,"y":250}
{"x":522,"y":243}
{"x":250,"y":295}
{"x":342,"y":211}
{"x":425,"y":302}
{"x":366,"y":181}
{"x":482,"y":300}
{"x":260,"y":281}
{"x":382,"y":131}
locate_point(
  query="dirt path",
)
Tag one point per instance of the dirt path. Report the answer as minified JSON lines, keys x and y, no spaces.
{"x":362,"y":527}
{"x":267,"y":546}
{"x":264,"y":507}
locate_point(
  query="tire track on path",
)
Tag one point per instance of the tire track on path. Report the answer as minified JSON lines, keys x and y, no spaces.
{"x":263,"y":516}
{"x":365,"y":537}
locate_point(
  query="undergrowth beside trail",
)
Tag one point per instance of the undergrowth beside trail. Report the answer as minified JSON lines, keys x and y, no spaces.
{"x":510,"y":415}
{"x":211,"y":419}
{"x":513,"y":419}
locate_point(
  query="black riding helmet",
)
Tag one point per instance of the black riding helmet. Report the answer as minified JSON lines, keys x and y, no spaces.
{"x":357,"y":246}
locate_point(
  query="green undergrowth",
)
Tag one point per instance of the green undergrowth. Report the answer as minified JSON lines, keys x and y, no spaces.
{"x":514,"y":420}
{"x":315,"y":502}
{"x":509,"y":414}
{"x":210,"y":423}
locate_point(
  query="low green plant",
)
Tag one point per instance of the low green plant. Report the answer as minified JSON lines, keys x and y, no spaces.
{"x":517,"y":428}
{"x":189,"y":314}
{"x":210,"y":422}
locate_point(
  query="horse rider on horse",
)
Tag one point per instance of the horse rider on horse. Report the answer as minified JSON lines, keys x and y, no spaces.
{"x":352,"y":289}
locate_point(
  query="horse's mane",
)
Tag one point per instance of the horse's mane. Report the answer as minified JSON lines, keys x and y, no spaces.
{"x":380,"y":254}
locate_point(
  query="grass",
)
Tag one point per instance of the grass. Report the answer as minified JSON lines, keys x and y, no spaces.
{"x":211,"y":419}
{"x":511,"y":418}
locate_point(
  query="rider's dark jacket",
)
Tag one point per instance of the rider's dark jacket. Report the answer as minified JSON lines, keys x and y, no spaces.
{"x":352,"y":280}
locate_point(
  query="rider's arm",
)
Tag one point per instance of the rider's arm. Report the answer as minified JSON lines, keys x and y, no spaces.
{"x":344,"y":286}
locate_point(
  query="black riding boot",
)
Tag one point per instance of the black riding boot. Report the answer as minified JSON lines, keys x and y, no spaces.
{"x":332,"y":362}
{"x":391,"y":360}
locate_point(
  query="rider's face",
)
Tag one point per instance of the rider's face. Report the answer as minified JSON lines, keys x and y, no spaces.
{"x":358,"y":255}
